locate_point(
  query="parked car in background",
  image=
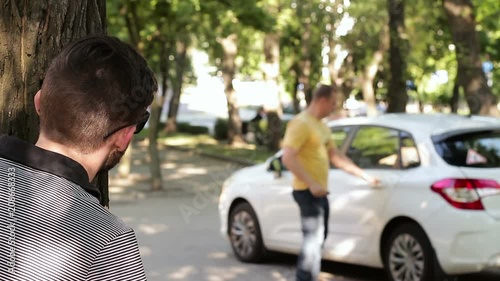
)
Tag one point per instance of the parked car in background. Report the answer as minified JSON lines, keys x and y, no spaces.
{"x":356,"y":108}
{"x":436,"y":212}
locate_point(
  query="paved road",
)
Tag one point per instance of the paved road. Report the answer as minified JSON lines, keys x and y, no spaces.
{"x":178,"y":229}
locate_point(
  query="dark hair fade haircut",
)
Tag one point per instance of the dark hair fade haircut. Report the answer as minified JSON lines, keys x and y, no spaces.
{"x":96,"y":84}
{"x":323,"y":91}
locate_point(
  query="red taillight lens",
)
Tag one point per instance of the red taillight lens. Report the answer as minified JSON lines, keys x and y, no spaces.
{"x":466,"y":194}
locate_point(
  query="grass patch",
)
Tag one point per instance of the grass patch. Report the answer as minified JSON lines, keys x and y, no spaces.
{"x":187,"y":140}
{"x":248,"y":153}
{"x":207,"y":144}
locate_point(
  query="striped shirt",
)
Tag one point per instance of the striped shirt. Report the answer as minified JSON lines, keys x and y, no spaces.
{"x":52,"y":226}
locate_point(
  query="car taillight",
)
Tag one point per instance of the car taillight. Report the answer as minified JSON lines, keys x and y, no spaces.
{"x":466,"y":194}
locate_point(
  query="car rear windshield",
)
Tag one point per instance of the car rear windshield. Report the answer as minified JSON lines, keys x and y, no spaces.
{"x":478,"y":149}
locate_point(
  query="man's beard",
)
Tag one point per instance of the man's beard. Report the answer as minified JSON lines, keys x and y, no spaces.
{"x":112,"y":160}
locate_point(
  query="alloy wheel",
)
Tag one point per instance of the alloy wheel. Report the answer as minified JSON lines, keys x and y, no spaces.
{"x":406,"y":259}
{"x":243,"y":234}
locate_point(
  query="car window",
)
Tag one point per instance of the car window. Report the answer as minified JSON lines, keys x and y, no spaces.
{"x":339,"y":135}
{"x":479,"y":149}
{"x":409,"y":151}
{"x":375,"y":147}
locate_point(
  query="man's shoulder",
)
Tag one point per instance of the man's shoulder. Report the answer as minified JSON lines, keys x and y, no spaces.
{"x":300,"y":119}
{"x":100,"y":218}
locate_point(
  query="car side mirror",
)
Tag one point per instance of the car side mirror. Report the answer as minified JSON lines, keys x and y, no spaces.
{"x":277,"y":167}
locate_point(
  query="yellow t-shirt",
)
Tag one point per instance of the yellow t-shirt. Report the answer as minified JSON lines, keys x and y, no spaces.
{"x":311,"y":138}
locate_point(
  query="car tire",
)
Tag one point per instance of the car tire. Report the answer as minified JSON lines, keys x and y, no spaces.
{"x":408,"y":256}
{"x":245,"y":235}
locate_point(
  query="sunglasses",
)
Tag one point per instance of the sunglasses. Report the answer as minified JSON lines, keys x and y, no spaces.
{"x":140,"y":125}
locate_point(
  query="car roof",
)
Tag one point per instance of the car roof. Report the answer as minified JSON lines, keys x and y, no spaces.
{"x":423,"y":125}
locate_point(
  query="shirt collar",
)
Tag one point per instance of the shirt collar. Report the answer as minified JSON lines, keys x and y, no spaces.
{"x":27,"y":154}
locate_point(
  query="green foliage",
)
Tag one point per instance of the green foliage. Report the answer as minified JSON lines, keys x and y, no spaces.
{"x":250,"y":57}
{"x":487,"y":12}
{"x":364,"y":39}
{"x":291,"y":23}
{"x":245,"y":18}
{"x":489,"y":33}
{"x":151,"y":24}
{"x":191,"y":129}
{"x":221,"y":129}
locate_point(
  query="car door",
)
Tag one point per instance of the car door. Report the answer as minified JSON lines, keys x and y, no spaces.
{"x":355,"y":206}
{"x":280,"y":217}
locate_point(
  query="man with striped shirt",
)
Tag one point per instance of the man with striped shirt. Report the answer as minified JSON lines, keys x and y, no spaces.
{"x":93,"y":99}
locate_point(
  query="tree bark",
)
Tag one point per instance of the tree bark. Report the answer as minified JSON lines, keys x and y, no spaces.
{"x":295,"y":97}
{"x":397,"y":96}
{"x":346,"y":82}
{"x":455,"y":98}
{"x":129,"y":11}
{"x":305,"y":60}
{"x":462,"y":23}
{"x":156,"y":179}
{"x":332,"y":56}
{"x":370,"y":72}
{"x":180,"y":68}
{"x":230,"y":47}
{"x":34,"y":32}
{"x":156,"y":108}
{"x":273,"y":105}
{"x":334,"y":70}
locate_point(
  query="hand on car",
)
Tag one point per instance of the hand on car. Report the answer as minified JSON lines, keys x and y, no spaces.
{"x":317,"y":190}
{"x":371,"y":180}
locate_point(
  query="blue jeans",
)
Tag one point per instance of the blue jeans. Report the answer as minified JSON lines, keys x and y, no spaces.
{"x":314,"y":214}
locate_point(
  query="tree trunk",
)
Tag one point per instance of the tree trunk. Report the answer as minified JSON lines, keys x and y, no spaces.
{"x":36,"y":31}
{"x":154,"y":124}
{"x":332,"y":56}
{"x":230,"y":47}
{"x":347,"y":78}
{"x":295,"y":97}
{"x":472,"y":78}
{"x":128,"y":11}
{"x":305,"y":60}
{"x":334,"y":70}
{"x":455,"y":98}
{"x":397,"y":96}
{"x":156,"y":179}
{"x":273,"y":105}
{"x":180,"y":67}
{"x":370,"y":72}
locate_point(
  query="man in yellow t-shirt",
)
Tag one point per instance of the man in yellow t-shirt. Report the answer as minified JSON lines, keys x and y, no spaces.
{"x":307,"y":152}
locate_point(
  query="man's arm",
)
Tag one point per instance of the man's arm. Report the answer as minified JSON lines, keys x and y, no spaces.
{"x":292,"y":163}
{"x":118,"y":260}
{"x":343,"y":162}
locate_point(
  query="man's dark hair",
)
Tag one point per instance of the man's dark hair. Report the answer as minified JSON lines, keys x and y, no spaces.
{"x":94,"y":86}
{"x":323,"y":91}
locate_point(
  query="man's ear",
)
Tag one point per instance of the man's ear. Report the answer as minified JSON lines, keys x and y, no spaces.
{"x":123,"y":137}
{"x":37,"y":101}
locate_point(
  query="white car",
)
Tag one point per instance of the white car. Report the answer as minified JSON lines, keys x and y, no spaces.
{"x":436,"y":212}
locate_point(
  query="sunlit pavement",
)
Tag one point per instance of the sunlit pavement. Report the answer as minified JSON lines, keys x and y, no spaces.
{"x":178,"y":229}
{"x":177,"y":246}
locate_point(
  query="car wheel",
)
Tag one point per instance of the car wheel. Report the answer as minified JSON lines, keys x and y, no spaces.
{"x":409,"y":256}
{"x":244,"y":234}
